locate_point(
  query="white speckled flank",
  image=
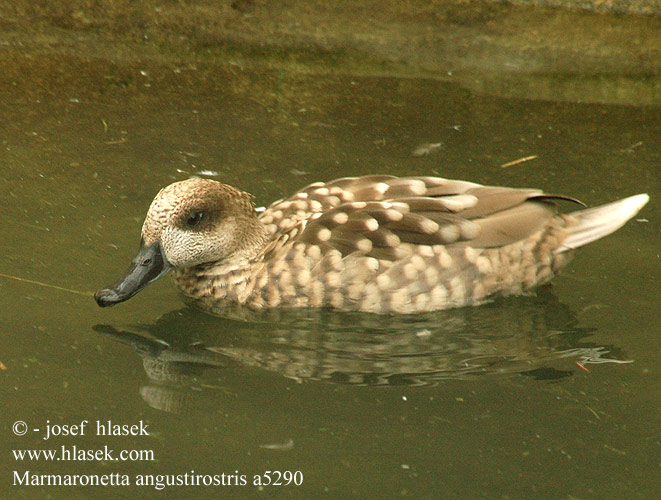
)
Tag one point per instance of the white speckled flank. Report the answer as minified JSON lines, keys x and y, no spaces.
{"x":379,"y":244}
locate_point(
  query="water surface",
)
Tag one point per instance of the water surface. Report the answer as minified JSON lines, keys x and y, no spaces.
{"x":550,"y":396}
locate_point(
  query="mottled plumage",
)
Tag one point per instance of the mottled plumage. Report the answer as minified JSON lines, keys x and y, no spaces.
{"x":377,"y":244}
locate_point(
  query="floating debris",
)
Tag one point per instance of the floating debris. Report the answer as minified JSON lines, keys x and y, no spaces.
{"x":582,"y":367}
{"x":287,"y":445}
{"x":594,"y":413}
{"x":631,"y":148}
{"x":615,"y":450}
{"x":516,"y":162}
{"x":189,"y":154}
{"x":118,"y":141}
{"x":87,"y":294}
{"x":427,"y":148}
{"x":210,"y":173}
{"x":3,"y":367}
{"x":323,"y":125}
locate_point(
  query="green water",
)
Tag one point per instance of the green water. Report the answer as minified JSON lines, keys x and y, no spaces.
{"x":491,"y":402}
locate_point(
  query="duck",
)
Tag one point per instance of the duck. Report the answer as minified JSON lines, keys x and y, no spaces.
{"x":376,"y":244}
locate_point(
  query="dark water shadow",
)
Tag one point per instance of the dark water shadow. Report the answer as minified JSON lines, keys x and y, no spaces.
{"x":522,"y":335}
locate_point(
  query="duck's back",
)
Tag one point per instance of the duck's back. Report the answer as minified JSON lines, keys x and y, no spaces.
{"x":388,"y":244}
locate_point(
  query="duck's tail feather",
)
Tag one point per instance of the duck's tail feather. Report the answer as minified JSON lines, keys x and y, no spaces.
{"x":597,"y":222}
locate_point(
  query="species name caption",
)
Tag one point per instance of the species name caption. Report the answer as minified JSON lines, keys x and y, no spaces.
{"x":74,"y":453}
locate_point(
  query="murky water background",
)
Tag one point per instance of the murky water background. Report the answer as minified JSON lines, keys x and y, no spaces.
{"x":490,"y":402}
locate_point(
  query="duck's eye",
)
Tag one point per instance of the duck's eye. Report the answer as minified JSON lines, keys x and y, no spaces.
{"x":194,"y":219}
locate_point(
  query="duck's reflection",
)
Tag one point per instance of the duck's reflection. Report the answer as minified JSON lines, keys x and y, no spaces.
{"x":512,"y":336}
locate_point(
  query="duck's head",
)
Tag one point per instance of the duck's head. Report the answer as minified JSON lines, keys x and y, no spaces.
{"x":192,"y":222}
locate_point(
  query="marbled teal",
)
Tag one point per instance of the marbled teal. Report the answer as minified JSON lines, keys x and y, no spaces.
{"x":378,"y":244}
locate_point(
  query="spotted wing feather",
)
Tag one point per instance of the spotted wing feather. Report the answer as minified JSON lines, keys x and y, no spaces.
{"x":321,"y":197}
{"x":375,"y":215}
